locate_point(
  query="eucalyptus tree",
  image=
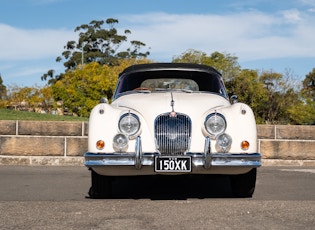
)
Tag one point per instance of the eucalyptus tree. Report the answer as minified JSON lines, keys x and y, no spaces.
{"x":303,"y":112}
{"x":3,"y":89}
{"x":309,"y":84}
{"x":225,"y":63}
{"x":97,"y":44}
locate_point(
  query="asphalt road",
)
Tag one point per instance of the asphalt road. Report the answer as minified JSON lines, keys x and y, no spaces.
{"x":55,"y":198}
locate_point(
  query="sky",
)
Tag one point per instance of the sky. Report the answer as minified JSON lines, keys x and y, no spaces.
{"x":270,"y":35}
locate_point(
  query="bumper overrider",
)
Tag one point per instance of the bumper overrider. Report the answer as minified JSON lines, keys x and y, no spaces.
{"x":205,"y":162}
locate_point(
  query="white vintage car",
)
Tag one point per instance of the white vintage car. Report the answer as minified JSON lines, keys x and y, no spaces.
{"x":172,"y":118}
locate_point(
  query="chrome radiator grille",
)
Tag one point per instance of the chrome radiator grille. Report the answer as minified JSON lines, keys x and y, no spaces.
{"x":172,"y":134}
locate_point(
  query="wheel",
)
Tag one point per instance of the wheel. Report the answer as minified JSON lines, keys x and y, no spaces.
{"x":101,"y":186}
{"x":243,"y":185}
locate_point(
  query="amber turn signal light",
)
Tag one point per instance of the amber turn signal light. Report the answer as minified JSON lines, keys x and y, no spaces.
{"x":245,"y":145}
{"x":100,"y":144}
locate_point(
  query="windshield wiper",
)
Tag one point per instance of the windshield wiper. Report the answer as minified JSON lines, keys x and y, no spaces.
{"x":186,"y":90}
{"x":174,"y":90}
{"x":141,"y":91}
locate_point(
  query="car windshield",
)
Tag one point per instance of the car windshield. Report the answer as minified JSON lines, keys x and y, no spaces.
{"x":175,"y":80}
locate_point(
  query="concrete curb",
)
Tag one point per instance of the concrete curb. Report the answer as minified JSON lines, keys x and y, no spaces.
{"x":278,"y":162}
{"x":41,"y":161}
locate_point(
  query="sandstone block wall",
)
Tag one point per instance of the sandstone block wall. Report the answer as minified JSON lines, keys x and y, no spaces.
{"x":64,"y":143}
{"x":42,"y":142}
{"x":287,"y":142}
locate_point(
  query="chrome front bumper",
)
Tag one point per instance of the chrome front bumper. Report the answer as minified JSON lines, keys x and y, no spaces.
{"x":205,"y":161}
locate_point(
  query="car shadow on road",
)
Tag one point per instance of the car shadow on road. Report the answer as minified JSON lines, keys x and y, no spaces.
{"x":179,"y":187}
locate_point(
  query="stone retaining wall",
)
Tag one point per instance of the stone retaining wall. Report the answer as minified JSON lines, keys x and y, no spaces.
{"x":287,"y":144}
{"x":63,"y":143}
{"x":42,"y":142}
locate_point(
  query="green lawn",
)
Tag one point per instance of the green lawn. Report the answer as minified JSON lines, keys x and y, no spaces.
{"x":6,"y":114}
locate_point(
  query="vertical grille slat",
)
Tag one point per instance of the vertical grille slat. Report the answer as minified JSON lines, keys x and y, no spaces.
{"x":172,"y":134}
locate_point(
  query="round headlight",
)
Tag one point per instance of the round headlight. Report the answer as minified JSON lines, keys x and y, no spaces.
{"x":215,"y":123}
{"x":129,"y":124}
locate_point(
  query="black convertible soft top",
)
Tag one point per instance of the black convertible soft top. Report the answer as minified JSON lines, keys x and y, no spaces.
{"x":180,"y":76}
{"x":169,"y":66}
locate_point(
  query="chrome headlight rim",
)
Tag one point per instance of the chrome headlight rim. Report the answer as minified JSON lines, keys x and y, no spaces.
{"x":129,"y":124}
{"x":209,"y":120}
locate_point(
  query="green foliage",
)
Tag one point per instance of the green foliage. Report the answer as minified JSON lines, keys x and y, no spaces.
{"x":7,"y":114}
{"x":250,"y":90}
{"x":3,"y":93}
{"x":81,"y":89}
{"x":223,"y":62}
{"x":29,"y":98}
{"x":94,"y":61}
{"x":302,"y":113}
{"x":309,"y":85}
{"x":97,"y":44}
{"x":274,"y":106}
{"x":271,"y":95}
{"x":3,"y":89}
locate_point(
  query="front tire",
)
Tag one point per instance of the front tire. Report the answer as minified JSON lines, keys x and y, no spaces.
{"x":101,"y":186}
{"x":243,"y":185}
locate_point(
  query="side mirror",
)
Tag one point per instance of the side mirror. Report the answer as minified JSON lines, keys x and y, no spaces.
{"x":233,"y":99}
{"x":104,"y":100}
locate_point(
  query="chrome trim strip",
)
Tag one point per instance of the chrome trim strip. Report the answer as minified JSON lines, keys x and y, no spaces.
{"x":198,"y":159}
{"x":138,"y":151}
{"x":207,"y":153}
